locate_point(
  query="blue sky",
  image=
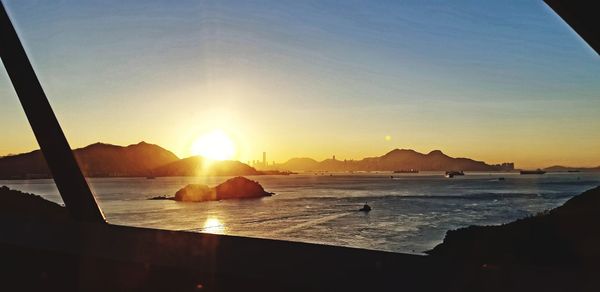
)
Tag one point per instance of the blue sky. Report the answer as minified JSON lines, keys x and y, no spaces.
{"x":497,"y":81}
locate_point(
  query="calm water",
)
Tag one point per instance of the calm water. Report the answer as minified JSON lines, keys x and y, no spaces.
{"x":411,"y":213}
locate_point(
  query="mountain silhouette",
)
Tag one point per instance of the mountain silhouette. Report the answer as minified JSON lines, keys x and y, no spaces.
{"x":95,"y":160}
{"x":196,"y":165}
{"x":396,"y":159}
{"x":144,"y":159}
{"x":300,"y":164}
{"x":560,"y":168}
{"x":137,"y":160}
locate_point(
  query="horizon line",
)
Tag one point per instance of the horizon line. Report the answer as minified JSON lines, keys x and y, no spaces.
{"x":315,"y":159}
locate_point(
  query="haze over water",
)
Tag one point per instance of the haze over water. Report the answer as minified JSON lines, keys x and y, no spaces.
{"x":411,"y":212}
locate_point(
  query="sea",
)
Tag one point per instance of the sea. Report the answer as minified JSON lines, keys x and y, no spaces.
{"x":410,"y":212}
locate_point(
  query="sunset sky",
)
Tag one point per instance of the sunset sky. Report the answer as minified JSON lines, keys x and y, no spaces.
{"x":496,"y":82}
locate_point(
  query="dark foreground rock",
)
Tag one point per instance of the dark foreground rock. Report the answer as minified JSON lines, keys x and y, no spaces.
{"x":16,"y":204}
{"x":234,"y":188}
{"x":568,"y":234}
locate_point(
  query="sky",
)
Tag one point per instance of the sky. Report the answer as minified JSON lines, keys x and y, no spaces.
{"x":496,"y":81}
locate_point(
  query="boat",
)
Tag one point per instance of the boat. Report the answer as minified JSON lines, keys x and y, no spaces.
{"x":537,"y":171}
{"x":406,"y":171}
{"x":451,"y":174}
{"x":366,"y":208}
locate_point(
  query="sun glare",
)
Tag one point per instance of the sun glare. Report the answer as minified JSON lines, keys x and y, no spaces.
{"x":215,"y":145}
{"x":213,"y":225}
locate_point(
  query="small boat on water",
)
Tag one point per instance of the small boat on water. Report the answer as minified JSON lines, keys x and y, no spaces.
{"x":366,"y":208}
{"x":406,"y":171}
{"x":451,"y":174}
{"x":537,"y":171}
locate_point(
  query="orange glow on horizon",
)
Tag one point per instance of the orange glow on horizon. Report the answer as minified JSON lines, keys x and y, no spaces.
{"x":215,"y":145}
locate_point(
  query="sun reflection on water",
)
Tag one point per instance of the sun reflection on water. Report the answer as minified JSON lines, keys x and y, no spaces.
{"x":213,"y":225}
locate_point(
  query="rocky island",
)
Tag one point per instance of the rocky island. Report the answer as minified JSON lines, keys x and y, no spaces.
{"x":234,"y":188}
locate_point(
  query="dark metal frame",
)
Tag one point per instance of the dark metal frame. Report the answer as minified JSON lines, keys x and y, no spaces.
{"x":71,"y":183}
{"x":582,"y":16}
{"x":63,"y":256}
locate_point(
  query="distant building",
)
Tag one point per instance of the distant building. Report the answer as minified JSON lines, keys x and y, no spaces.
{"x":261,"y":163}
{"x":506,"y":166}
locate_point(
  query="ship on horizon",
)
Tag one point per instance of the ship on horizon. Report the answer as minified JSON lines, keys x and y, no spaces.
{"x":537,"y":171}
{"x":406,"y":171}
{"x":451,"y":174}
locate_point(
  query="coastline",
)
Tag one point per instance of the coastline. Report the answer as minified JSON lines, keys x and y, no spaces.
{"x":565,"y":235}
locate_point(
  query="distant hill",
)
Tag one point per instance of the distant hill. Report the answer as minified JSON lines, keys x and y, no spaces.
{"x":397,"y":159}
{"x":133,"y":160}
{"x":96,"y":160}
{"x":196,"y":165}
{"x":138,"y":160}
{"x":560,"y":168}
{"x":299,"y":164}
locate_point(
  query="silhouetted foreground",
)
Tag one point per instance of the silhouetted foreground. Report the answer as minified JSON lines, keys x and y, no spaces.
{"x":567,"y":235}
{"x":29,"y":206}
{"x":233,"y":188}
{"x":42,"y":249}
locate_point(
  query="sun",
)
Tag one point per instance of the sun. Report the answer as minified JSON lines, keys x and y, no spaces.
{"x":215,"y":145}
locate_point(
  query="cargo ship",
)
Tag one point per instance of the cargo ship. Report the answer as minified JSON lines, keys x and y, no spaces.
{"x":451,"y":174}
{"x":537,"y":171}
{"x":406,"y":171}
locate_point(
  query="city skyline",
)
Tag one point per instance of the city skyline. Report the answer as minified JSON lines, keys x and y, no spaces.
{"x":264,"y":164}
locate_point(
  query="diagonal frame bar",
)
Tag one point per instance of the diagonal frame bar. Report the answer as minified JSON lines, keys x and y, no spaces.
{"x":71,"y":183}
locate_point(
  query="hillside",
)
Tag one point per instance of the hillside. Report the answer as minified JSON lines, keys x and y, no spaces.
{"x":19,"y":205}
{"x":564,"y":235}
{"x":560,"y":168}
{"x":96,"y":160}
{"x":396,"y":159}
{"x":299,"y":164}
{"x":195,"y":165}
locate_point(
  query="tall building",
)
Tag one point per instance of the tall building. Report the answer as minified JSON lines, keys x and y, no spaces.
{"x":264,"y":158}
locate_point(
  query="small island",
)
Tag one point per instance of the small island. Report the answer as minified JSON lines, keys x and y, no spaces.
{"x":234,"y":188}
